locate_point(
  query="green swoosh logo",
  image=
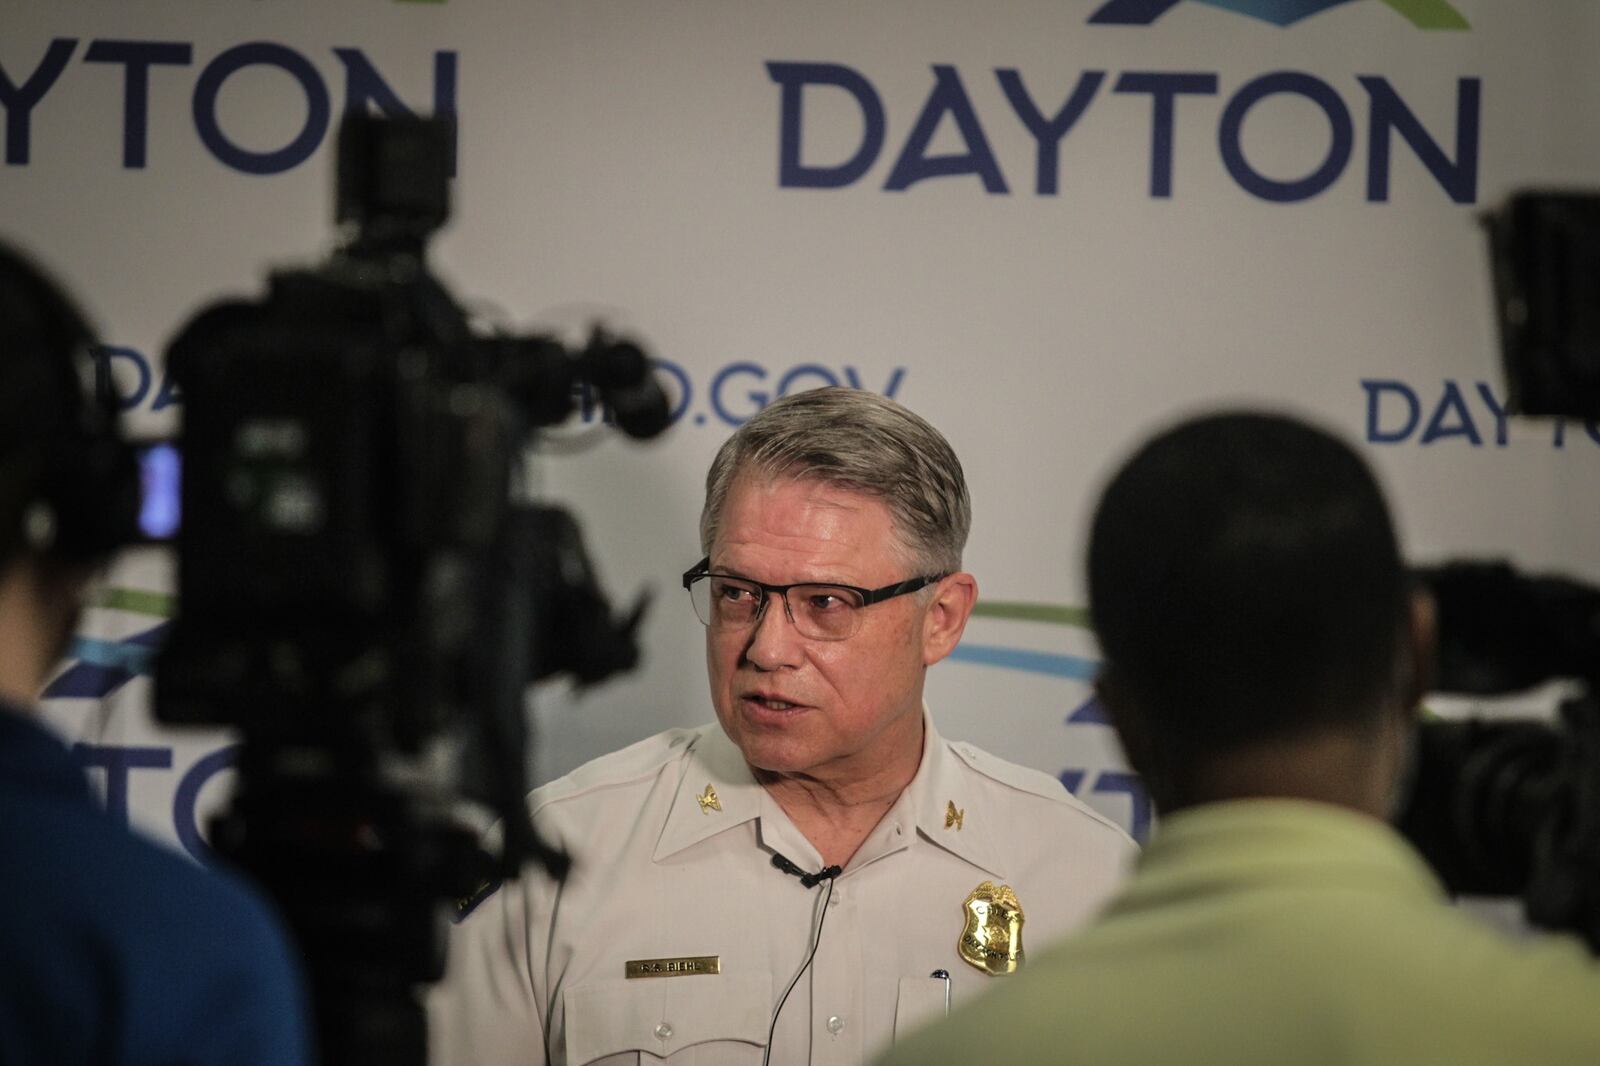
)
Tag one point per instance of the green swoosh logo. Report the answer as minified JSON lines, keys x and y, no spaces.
{"x":1050,"y":613}
{"x":137,"y":601}
{"x":1430,"y":14}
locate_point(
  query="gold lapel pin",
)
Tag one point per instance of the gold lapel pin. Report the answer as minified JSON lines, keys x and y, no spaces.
{"x":953,"y":817}
{"x":708,"y":800}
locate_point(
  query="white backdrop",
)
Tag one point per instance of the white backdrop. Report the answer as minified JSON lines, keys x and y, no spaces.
{"x":1241,"y":211}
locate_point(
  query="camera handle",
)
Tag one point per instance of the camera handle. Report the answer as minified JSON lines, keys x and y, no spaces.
{"x":1564,"y":889}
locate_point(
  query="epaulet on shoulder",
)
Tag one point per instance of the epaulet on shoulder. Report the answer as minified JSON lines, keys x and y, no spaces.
{"x":637,"y":762}
{"x":1024,"y":779}
{"x":469,"y":903}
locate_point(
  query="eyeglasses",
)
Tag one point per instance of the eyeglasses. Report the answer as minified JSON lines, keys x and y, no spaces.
{"x":818,"y":611}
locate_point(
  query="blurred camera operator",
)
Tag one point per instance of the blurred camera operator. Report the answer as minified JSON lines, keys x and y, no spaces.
{"x":112,"y":950}
{"x":1264,"y":658}
{"x":821,"y":841}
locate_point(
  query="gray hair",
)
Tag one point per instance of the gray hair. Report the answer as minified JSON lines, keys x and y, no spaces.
{"x":860,"y":441}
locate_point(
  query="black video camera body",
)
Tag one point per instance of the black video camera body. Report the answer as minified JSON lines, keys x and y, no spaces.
{"x":364,"y":591}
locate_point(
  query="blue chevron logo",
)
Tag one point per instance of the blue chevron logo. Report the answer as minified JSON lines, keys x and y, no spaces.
{"x":103,"y":666}
{"x":1423,"y":14}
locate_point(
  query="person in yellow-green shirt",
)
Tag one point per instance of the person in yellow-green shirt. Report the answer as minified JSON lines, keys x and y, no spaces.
{"x":1264,"y":657}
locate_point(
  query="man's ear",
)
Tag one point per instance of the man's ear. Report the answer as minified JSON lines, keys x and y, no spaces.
{"x":1419,"y":650}
{"x":1133,"y":730}
{"x":1123,"y":712}
{"x":946,"y":616}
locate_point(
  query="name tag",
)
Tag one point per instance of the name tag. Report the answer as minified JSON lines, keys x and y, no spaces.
{"x":686,"y":966}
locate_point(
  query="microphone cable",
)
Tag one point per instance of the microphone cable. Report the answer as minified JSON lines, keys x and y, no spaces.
{"x":827,"y":873}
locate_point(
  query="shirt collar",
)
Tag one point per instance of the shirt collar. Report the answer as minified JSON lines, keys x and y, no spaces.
{"x":949,"y":812}
{"x":940,"y":802}
{"x":716,"y":793}
{"x":1222,"y":847}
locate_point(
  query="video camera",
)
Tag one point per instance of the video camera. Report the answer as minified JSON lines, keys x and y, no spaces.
{"x":1512,"y":807}
{"x":366,"y":589}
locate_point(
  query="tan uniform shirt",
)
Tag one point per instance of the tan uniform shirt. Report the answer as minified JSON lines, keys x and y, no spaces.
{"x":673,"y":842}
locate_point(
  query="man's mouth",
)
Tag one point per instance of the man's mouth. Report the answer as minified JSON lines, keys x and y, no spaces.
{"x":771,"y":703}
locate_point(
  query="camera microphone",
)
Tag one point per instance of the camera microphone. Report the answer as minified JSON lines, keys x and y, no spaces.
{"x":827,"y":873}
{"x":621,"y":371}
{"x":1503,"y":631}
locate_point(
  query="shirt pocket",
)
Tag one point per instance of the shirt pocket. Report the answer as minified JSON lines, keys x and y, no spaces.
{"x":716,"y":1020}
{"x":922,"y":1001}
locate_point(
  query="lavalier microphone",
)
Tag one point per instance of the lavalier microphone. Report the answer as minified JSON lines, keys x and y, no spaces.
{"x":827,"y":873}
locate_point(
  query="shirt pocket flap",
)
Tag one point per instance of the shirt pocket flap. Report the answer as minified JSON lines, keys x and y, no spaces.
{"x":922,"y":1001}
{"x":664,"y":1015}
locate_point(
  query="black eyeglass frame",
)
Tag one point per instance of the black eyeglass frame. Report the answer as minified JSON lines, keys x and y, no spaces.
{"x":702,"y":569}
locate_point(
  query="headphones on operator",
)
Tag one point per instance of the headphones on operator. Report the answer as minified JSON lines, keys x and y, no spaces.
{"x":69,"y":483}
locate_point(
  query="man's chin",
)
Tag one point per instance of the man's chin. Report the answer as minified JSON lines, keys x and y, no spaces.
{"x":766,"y":754}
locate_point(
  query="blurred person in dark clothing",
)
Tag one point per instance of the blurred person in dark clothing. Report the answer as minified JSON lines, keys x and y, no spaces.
{"x":112,"y":949}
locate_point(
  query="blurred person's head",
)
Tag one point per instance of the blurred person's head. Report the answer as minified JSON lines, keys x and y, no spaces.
{"x":58,"y":468}
{"x":1258,"y":626}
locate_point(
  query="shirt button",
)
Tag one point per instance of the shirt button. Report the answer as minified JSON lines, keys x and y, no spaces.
{"x":835,"y":899}
{"x":664,"y":1031}
{"x":835,"y":1024}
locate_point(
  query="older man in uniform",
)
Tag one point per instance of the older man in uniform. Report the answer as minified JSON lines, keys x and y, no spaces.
{"x":819,"y":871}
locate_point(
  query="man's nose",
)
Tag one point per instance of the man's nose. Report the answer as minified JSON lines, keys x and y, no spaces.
{"x":774,"y":642}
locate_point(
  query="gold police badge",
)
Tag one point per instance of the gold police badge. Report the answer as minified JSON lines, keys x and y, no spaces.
{"x":992,"y":939}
